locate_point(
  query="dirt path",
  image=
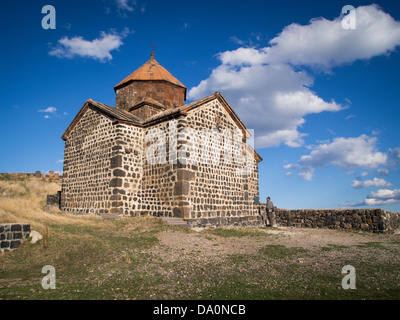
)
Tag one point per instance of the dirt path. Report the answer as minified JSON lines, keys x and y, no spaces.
{"x":176,"y":244}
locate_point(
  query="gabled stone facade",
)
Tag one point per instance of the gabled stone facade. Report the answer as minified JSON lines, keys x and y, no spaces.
{"x":148,"y":156}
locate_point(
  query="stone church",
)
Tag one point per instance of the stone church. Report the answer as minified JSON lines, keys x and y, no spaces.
{"x":145,"y":156}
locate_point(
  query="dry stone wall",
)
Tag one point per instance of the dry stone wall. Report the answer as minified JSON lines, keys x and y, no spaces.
{"x":12,"y":235}
{"x":373,"y":220}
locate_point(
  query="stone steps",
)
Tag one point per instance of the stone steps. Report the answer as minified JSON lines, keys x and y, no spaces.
{"x":175,"y":221}
{"x":111,"y":216}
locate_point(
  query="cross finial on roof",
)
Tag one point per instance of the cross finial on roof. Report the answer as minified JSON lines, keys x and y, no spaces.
{"x":152,"y":51}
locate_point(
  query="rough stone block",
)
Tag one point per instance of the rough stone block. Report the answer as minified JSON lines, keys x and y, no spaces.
{"x":186,"y":175}
{"x":15,"y":244}
{"x":4,"y":244}
{"x":116,"y":183}
{"x":17,"y":235}
{"x":181,"y":188}
{"x":116,"y":162}
{"x":177,"y":212}
{"x":53,"y":199}
{"x":119,"y":173}
{"x":118,"y":191}
{"x":16,"y":227}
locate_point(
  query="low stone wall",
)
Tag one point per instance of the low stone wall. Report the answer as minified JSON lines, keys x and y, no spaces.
{"x":54,"y":199}
{"x":373,"y":220}
{"x":12,"y":235}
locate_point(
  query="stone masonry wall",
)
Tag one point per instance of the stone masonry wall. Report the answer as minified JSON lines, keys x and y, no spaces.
{"x":374,"y":220}
{"x":12,"y":235}
{"x":106,"y":170}
{"x":146,"y":111}
{"x":160,"y":178}
{"x":127,"y":170}
{"x":202,"y":194}
{"x":163,"y":92}
{"x":216,"y":194}
{"x":87,"y":183}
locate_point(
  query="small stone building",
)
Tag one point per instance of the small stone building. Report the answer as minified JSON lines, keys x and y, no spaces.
{"x":154,"y":154}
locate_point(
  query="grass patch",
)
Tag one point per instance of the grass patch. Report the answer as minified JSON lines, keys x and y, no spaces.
{"x":237,"y":259}
{"x":235,"y":232}
{"x":372,"y":245}
{"x":281,"y":252}
{"x":331,"y":247}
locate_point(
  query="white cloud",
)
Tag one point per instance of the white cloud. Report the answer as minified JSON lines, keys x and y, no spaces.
{"x":237,"y":40}
{"x":380,"y":197}
{"x":376,"y":182}
{"x":98,"y":49}
{"x":126,"y":5}
{"x":48,"y":110}
{"x":272,"y":99}
{"x":343,"y":153}
{"x":326,"y":44}
{"x":269,"y":90}
{"x":385,"y":194}
{"x":51,"y":111}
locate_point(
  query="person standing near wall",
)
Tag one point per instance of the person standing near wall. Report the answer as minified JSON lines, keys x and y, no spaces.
{"x":269,"y":210}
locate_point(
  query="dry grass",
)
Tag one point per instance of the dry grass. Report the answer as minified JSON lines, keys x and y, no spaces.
{"x":23,"y":200}
{"x":11,"y":189}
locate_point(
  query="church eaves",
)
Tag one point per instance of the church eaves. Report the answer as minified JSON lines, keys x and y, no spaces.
{"x":115,"y":114}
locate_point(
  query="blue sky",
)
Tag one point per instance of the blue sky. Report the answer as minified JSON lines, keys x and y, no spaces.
{"x":323,"y":101}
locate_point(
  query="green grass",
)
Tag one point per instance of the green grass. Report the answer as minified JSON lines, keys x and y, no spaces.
{"x":371,"y":245}
{"x":236,"y":232}
{"x":331,"y":247}
{"x":281,"y":252}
